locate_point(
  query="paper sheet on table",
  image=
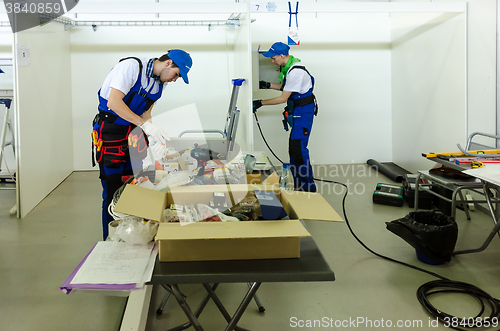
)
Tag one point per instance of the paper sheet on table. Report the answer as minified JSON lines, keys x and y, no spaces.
{"x":489,"y":172}
{"x":114,"y":263}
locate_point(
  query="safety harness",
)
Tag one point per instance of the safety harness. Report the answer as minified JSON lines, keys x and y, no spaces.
{"x":115,"y":138}
{"x":298,"y":100}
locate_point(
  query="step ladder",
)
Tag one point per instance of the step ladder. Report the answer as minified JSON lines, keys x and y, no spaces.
{"x":232,"y":118}
{"x":6,"y":126}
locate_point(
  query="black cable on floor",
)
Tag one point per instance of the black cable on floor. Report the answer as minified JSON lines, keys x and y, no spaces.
{"x":443,"y":285}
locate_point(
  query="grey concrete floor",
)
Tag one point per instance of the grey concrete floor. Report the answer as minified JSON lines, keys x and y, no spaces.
{"x":38,"y":252}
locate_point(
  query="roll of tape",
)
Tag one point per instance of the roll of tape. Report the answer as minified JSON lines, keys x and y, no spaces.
{"x":112,"y":228}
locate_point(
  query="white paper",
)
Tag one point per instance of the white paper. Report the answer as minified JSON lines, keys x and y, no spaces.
{"x":114,"y":263}
{"x":148,"y":273}
{"x":489,"y":172}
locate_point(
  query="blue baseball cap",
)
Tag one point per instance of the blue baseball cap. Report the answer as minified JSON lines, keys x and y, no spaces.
{"x":183,"y":61}
{"x":277,"y":49}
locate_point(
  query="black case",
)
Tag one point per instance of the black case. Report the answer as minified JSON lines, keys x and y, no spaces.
{"x":387,"y":194}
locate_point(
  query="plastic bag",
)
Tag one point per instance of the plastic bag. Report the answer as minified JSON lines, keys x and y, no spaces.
{"x":184,"y":214}
{"x":134,"y":230}
{"x":431,"y":233}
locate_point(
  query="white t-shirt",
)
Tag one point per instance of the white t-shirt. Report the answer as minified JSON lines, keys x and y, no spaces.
{"x":124,"y":75}
{"x":297,"y":80}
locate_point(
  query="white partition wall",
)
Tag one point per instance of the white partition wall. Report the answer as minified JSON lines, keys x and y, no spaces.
{"x":242,"y":69}
{"x":370,"y":104}
{"x":220,"y":53}
{"x":42,"y":78}
{"x":429,"y":106}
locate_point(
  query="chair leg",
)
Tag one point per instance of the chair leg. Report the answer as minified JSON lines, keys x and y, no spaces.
{"x":257,"y":301}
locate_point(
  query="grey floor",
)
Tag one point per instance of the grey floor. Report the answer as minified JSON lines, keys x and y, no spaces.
{"x":38,"y":252}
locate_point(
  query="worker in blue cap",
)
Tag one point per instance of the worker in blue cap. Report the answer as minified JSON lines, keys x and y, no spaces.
{"x":296,"y":86}
{"x":123,"y":130}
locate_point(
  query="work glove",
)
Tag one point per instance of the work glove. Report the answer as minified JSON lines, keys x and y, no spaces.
{"x":264,"y":85}
{"x":256,"y":105}
{"x":157,"y":137}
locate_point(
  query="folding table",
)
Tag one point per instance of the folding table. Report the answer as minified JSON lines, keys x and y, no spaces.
{"x":310,"y":267}
{"x":490,"y":191}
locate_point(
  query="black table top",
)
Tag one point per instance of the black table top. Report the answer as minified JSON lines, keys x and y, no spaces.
{"x":310,"y":267}
{"x":447,"y":163}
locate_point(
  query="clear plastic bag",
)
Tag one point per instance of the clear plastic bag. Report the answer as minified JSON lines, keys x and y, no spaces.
{"x":209,"y":214}
{"x":182,"y":214}
{"x":134,"y":230}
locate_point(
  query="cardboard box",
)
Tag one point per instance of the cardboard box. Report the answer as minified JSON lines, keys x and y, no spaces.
{"x":226,"y":240}
{"x":253,"y":178}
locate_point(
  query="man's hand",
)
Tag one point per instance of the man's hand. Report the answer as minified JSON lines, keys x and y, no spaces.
{"x":158,"y":137}
{"x":264,"y":85}
{"x":256,"y":105}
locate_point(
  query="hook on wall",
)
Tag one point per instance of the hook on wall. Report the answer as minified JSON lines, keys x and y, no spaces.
{"x":94,"y":27}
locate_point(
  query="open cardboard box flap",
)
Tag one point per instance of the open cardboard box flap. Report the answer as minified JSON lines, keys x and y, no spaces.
{"x":150,"y":204}
{"x":309,"y":206}
{"x":142,"y":202}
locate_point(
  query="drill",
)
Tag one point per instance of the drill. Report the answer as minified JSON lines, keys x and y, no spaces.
{"x":202,"y":155}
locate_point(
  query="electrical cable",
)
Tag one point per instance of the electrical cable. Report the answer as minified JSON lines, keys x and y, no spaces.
{"x":262,"y":134}
{"x":442,"y":285}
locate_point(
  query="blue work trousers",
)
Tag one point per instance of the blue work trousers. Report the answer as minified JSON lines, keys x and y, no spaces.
{"x":297,"y":148}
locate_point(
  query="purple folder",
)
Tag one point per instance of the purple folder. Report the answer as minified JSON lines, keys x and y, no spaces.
{"x":67,"y":287}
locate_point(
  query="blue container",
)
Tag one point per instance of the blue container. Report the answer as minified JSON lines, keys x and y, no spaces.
{"x":425,"y":259}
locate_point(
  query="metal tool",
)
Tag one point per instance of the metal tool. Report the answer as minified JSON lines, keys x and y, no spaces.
{"x":476,"y":164}
{"x":483,"y":153}
{"x":227,"y":142}
{"x":202,"y":155}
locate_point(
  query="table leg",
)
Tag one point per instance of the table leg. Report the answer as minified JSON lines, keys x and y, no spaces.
{"x":220,"y":306}
{"x":417,"y":181}
{"x":257,"y":301}
{"x":493,"y":232}
{"x":244,"y":304}
{"x":458,"y":191}
{"x":184,"y":305}
{"x":159,"y":311}
{"x":197,"y":313}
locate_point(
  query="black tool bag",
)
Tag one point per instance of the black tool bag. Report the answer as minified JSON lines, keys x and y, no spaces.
{"x":432,"y":233}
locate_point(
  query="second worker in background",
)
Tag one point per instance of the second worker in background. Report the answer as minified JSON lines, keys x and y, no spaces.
{"x":296,"y":84}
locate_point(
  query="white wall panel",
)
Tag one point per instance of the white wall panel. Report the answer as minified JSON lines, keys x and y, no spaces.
{"x":43,"y":109}
{"x":95,"y":53}
{"x":428,"y":86}
{"x":349,"y":56}
{"x":481,"y":62}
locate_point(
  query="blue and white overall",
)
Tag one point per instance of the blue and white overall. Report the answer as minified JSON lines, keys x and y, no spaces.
{"x":120,"y":146}
{"x":299,"y":114}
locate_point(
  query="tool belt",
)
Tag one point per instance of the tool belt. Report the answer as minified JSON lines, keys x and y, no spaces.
{"x":292,"y":104}
{"x":115,"y":144}
{"x":106,"y":116}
